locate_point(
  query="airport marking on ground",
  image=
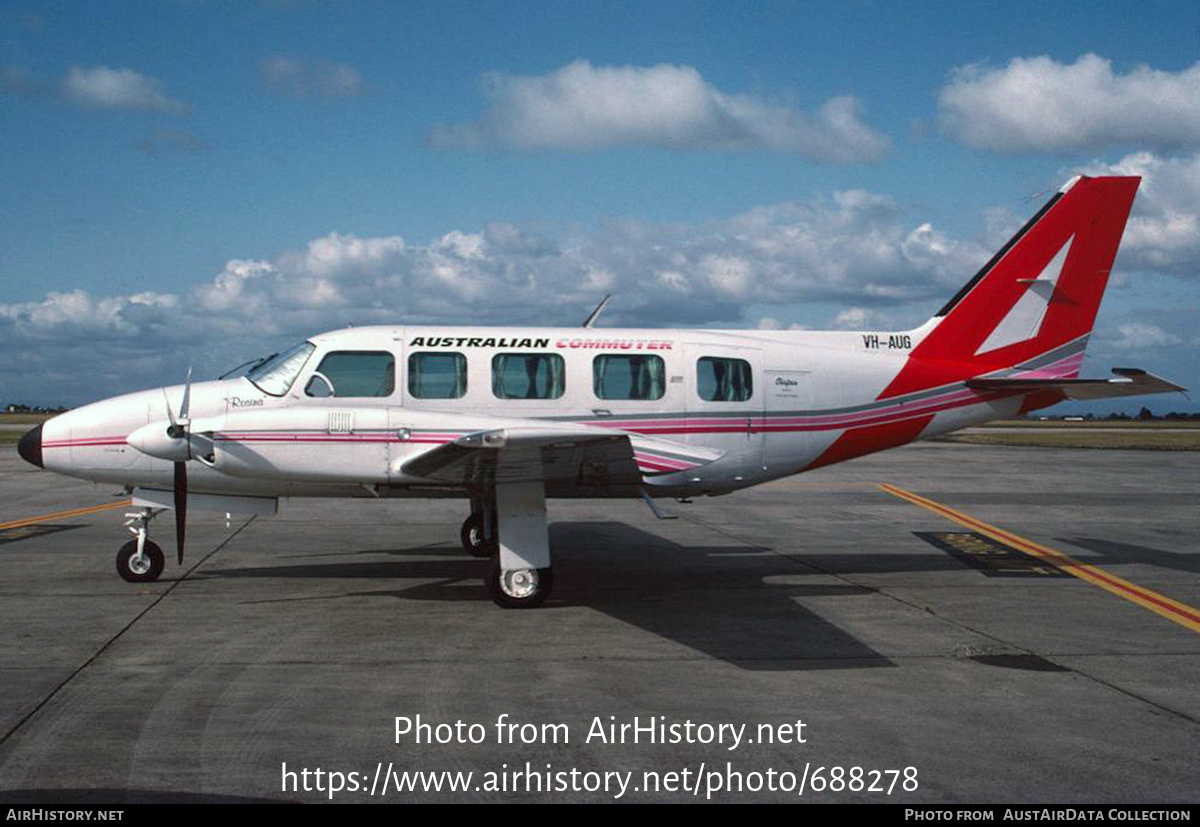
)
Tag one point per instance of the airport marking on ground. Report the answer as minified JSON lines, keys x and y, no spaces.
{"x":1173,"y":610}
{"x":992,"y":558}
{"x":62,"y":515}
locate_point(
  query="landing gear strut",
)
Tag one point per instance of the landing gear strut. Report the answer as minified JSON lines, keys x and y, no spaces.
{"x":509,"y":527}
{"x":140,"y":560}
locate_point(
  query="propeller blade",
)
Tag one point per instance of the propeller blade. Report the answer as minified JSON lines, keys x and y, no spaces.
{"x":180,"y":506}
{"x":187,"y":397}
{"x":170,"y":413}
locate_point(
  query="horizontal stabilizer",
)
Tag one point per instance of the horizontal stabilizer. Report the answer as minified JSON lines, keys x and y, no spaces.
{"x":1129,"y":382}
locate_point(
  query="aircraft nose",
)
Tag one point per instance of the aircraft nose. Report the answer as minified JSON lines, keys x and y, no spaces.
{"x":30,"y":447}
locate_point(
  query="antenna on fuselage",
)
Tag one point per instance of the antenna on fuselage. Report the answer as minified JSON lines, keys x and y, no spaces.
{"x":590,"y":321}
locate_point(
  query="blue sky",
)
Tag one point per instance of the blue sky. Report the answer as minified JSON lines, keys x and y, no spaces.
{"x":196,"y":182}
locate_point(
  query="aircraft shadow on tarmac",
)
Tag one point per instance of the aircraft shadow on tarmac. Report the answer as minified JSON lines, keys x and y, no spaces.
{"x":724,"y":601}
{"x":1111,"y":552}
{"x":26,"y":532}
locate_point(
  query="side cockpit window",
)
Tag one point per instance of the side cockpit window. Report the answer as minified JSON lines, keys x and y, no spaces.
{"x":276,"y":374}
{"x":437,"y":375}
{"x":724,"y":380}
{"x":354,"y":373}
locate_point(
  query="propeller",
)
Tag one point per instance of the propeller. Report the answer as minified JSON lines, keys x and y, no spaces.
{"x":178,"y":444}
{"x":179,"y":429}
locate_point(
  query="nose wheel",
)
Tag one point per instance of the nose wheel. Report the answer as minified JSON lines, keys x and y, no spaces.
{"x":140,"y":568}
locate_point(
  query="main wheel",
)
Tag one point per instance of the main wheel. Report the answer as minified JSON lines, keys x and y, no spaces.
{"x":145,"y":569}
{"x":473,"y":541}
{"x":520,"y":588}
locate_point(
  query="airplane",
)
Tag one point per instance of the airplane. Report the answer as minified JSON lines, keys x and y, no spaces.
{"x":508,"y":418}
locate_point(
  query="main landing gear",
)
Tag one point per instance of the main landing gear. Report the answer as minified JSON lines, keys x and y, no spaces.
{"x":140,"y":560}
{"x":477,"y":539}
{"x":518,"y":588}
{"x":508,"y":526}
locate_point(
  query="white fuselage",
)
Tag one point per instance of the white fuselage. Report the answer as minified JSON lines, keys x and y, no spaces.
{"x":805,"y":390}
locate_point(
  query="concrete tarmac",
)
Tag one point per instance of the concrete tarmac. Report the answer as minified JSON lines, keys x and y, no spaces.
{"x":299,"y":640}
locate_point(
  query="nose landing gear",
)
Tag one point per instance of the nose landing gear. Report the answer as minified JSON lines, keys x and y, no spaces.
{"x":140,"y":560}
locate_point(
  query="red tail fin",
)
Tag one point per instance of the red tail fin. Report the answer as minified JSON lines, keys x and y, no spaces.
{"x":1035,"y":302}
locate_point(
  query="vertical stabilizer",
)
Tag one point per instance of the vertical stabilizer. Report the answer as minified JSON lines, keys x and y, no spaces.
{"x":1034,"y":303}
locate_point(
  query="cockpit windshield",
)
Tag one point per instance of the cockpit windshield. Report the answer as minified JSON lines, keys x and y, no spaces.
{"x":275,"y":375}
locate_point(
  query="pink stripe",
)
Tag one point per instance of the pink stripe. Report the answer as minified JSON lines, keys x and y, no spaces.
{"x":664,"y":462}
{"x":328,"y":438}
{"x":84,"y":443}
{"x":655,"y":467}
{"x":758,"y":420}
{"x":1064,"y":369}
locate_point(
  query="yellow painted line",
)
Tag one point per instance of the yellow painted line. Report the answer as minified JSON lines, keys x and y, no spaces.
{"x":1172,"y":610}
{"x":62,"y":515}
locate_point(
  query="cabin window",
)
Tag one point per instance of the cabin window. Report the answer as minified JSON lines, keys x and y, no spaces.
{"x":527,"y":376}
{"x":640,"y":376}
{"x":354,"y":373}
{"x":437,"y":375}
{"x":724,"y":380}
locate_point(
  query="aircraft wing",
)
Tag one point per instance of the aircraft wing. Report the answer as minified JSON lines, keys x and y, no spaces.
{"x":578,"y":455}
{"x":1129,"y":382}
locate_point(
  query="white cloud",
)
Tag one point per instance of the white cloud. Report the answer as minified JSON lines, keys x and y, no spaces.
{"x":84,"y":314}
{"x":581,"y":107}
{"x":857,"y":318}
{"x":1142,"y":336}
{"x":103,"y":88}
{"x":1163,"y":233}
{"x":1039,"y":105}
{"x":846,"y":249}
{"x":937,"y":253}
{"x":301,"y":78}
{"x":852,"y":247}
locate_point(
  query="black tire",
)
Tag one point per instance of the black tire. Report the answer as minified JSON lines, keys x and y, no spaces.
{"x":543,"y":581}
{"x":151,"y":552}
{"x":472,"y":538}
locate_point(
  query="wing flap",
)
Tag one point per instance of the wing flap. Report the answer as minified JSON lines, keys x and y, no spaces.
{"x":581,"y":455}
{"x":1129,"y":382}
